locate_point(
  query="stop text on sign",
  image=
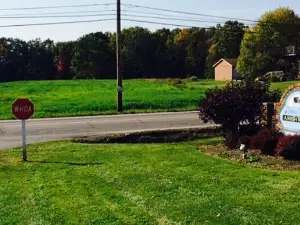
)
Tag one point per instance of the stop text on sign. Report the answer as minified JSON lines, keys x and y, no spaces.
{"x":23,"y":109}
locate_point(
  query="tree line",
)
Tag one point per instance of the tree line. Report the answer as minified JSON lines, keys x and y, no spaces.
{"x":164,"y":53}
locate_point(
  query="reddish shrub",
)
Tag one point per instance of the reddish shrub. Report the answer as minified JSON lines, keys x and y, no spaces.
{"x":284,"y":142}
{"x":232,"y":105}
{"x":289,"y":147}
{"x":266,"y":141}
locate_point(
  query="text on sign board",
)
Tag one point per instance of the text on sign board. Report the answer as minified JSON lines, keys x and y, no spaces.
{"x":25,"y":109}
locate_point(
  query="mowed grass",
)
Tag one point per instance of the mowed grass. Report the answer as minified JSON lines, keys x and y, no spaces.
{"x":284,"y":85}
{"x":68,"y":183}
{"x":97,"y":97}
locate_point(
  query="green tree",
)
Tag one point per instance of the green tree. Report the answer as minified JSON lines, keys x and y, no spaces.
{"x":162,"y":62}
{"x":63,"y":59}
{"x":138,"y":53}
{"x":196,"y":52}
{"x":225,"y":43}
{"x":262,"y":45}
{"x":41,"y":64}
{"x":13,"y":59}
{"x":92,"y":56}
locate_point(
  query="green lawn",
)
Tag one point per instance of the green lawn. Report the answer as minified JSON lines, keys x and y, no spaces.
{"x":68,"y":183}
{"x":283,"y":86}
{"x":95,"y":97}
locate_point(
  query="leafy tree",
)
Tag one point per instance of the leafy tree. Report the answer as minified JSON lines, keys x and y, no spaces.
{"x":225,"y":43}
{"x":41,"y":65}
{"x":13,"y":59}
{"x":63,"y":59}
{"x":189,"y":50}
{"x":163,"y":61}
{"x":138,"y":53}
{"x":263,"y":44}
{"x":196,"y":52}
{"x":93,"y":56}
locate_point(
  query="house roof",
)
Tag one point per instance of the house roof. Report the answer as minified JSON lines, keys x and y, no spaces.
{"x":232,"y":62}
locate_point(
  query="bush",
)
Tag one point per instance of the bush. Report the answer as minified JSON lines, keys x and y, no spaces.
{"x":232,"y":105}
{"x":175,"y":82}
{"x":249,"y":129}
{"x":192,"y":78}
{"x":266,"y":141}
{"x":273,"y":96}
{"x":289,"y":147}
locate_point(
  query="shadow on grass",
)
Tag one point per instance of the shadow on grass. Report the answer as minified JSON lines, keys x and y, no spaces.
{"x":67,"y":163}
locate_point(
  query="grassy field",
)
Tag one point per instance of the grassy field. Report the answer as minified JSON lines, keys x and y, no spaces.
{"x":68,"y":183}
{"x":96,"y":97}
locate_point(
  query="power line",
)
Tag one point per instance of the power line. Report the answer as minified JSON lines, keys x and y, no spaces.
{"x":161,"y":14}
{"x":207,"y":15}
{"x":55,"y":13}
{"x":166,"y":24}
{"x":57,"y":16}
{"x":113,"y":19}
{"x":189,"y":13}
{"x":196,"y":20}
{"x":126,"y":15}
{"x":56,"y":7}
{"x":170,"y":18}
{"x":55,"y":23}
{"x":92,"y":15}
{"x":49,"y":15}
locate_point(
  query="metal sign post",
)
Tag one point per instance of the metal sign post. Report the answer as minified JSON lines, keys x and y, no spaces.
{"x":24,"y":140}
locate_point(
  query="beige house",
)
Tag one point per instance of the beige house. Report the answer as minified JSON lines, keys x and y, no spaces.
{"x":225,"y":70}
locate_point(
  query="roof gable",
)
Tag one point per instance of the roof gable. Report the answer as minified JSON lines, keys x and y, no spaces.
{"x":232,"y":62}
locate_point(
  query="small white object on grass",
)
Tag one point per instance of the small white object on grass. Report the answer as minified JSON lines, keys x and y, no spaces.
{"x":243,"y":147}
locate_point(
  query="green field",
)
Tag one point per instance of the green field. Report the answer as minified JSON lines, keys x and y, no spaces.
{"x":96,"y":97}
{"x":68,"y":183}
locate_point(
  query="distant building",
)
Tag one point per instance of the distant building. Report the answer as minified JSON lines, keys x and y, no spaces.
{"x":225,"y":70}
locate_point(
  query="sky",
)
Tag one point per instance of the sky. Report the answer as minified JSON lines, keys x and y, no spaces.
{"x":251,"y":10}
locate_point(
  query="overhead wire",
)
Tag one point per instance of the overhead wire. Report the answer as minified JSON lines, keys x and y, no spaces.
{"x":124,"y":19}
{"x":192,"y":19}
{"x":55,"y":16}
{"x":57,"y":7}
{"x":207,"y":15}
{"x":128,"y":17}
{"x":162,"y":14}
{"x":167,"y":16}
{"x":170,"y":18}
{"x":168,"y":24}
{"x":56,"y":23}
{"x":56,"y":13}
{"x":184,"y":12}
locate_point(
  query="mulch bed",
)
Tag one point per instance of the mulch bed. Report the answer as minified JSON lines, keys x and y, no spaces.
{"x":255,"y":159}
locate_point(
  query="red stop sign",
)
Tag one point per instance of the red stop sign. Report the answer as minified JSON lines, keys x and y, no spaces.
{"x":23,"y":109}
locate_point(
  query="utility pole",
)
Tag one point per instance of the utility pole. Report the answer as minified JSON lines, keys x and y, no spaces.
{"x":119,"y":75}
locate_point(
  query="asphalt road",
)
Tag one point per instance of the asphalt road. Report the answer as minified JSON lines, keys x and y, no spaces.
{"x":43,"y":130}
